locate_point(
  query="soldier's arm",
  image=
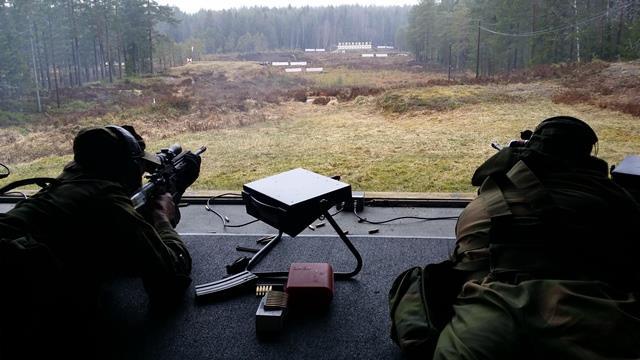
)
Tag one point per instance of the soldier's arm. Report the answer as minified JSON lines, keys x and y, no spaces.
{"x":158,"y":253}
{"x":10,"y":226}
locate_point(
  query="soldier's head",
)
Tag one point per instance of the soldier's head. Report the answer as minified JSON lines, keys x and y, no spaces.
{"x":114,"y":153}
{"x":563,"y":137}
{"x":563,"y":142}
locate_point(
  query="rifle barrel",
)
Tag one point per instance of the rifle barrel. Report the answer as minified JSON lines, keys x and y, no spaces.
{"x":201,"y":150}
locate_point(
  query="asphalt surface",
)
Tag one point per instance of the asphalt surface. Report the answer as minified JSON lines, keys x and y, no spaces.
{"x":355,"y":326}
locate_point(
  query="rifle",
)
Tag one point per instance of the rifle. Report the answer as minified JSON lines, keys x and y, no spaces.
{"x":166,"y":176}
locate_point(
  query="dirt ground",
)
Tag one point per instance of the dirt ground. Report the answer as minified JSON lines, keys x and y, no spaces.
{"x":383,"y":124}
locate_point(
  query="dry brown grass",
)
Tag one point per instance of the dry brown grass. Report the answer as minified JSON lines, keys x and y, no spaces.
{"x":416,"y":151}
{"x":235,"y":69}
{"x":373,"y":78}
{"x":614,"y":86}
{"x":374,"y":152}
{"x":423,"y":148}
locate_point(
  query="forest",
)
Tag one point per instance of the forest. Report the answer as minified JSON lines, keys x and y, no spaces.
{"x":492,"y":36}
{"x":261,"y":28}
{"x":462,"y":74}
{"x":49,"y":45}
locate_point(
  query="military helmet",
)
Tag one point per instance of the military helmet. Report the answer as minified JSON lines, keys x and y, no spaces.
{"x":134,"y":144}
{"x":114,"y":153}
{"x":102,"y":146}
{"x":563,"y":136}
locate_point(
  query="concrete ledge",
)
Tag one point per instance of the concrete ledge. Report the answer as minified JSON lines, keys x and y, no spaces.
{"x":381,"y":199}
{"x":373,"y":198}
{"x":368,"y":194}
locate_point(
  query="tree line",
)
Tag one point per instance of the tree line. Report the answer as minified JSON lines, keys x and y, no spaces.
{"x":490,"y":36}
{"x":47,"y":45}
{"x":263,"y":28}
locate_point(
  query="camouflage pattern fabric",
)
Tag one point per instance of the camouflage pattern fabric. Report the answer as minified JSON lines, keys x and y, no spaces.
{"x":581,"y":304}
{"x":420,"y":304}
{"x":542,"y":319}
{"x":74,"y":238}
{"x":91,"y":226}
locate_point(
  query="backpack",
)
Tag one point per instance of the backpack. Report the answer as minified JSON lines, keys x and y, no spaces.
{"x":421,"y":304}
{"x":29,"y":277}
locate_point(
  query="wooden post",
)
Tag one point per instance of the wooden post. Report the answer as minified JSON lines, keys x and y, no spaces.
{"x":35,"y":71}
{"x":449,"y":62}
{"x":53,"y":60}
{"x":575,"y":12}
{"x":619,"y":33}
{"x":534,"y":9}
{"x":478,"y":53}
{"x":150,"y":37}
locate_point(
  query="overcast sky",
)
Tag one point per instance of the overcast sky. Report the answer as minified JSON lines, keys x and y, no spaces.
{"x":192,"y":6}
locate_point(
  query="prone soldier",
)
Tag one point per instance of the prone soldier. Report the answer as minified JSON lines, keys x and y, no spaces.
{"x":549,"y":246}
{"x":60,"y":246}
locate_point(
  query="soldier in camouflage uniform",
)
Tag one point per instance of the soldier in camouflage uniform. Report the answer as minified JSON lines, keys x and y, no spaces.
{"x":550,"y":245}
{"x":58,"y":247}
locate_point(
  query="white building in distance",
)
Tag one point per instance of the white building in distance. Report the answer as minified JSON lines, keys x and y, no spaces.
{"x":355,"y":45}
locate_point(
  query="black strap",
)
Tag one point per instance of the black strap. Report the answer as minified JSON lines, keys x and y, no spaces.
{"x":7,"y":171}
{"x":43,"y":182}
{"x":507,"y":253}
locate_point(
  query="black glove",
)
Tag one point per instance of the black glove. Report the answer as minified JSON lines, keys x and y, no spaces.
{"x":187,"y":175}
{"x":188,"y":172}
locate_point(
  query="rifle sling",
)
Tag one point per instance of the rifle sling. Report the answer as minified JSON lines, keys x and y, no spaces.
{"x":43,"y":182}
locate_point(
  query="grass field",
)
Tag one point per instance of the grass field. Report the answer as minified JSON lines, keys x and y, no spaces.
{"x":413,"y":139}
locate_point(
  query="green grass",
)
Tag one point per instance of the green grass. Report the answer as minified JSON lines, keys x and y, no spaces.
{"x":443,"y":98}
{"x":71,"y":107}
{"x":421,"y":139}
{"x":415,"y":152}
{"x":435,"y":152}
{"x":12,"y":118}
{"x":339,"y":76}
{"x":50,"y":166}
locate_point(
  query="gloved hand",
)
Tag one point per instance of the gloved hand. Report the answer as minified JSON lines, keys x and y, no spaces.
{"x":189,"y":172}
{"x":163,"y":209}
{"x":187,"y":175}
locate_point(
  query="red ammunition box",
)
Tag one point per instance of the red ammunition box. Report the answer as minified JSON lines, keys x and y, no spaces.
{"x":310,"y":284}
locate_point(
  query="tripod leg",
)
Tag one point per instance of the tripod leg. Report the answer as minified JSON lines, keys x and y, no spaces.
{"x":354,"y":251}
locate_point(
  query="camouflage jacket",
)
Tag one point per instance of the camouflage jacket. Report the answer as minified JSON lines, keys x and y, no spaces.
{"x":92,"y":228}
{"x":589,"y":225}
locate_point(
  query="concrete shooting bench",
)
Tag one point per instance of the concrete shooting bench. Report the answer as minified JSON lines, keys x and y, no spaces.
{"x":356,"y":325}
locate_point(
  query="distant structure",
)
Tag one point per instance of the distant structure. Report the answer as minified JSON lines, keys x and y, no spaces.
{"x":374,"y":55}
{"x":385,"y":47}
{"x":355,"y":46}
{"x":313,"y":50}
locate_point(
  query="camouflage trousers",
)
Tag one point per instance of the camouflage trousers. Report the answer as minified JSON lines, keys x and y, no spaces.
{"x":542,"y":319}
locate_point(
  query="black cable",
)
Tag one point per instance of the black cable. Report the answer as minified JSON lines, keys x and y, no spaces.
{"x":241,"y":225}
{"x":334,"y":214}
{"x":364,"y":220}
{"x":560,"y":28}
{"x":2,"y":176}
{"x":13,"y":193}
{"x":225,"y":219}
